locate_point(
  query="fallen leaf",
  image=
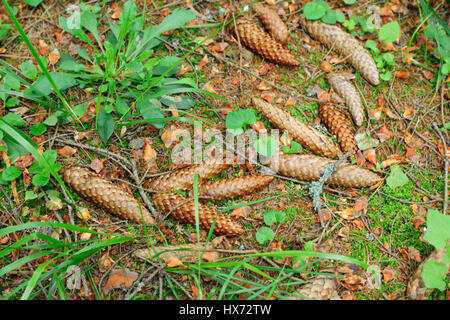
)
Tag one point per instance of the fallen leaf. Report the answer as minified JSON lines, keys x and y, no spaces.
{"x":240,"y":212}
{"x":401,"y":75}
{"x":361,"y":204}
{"x":414,"y":254}
{"x":263,"y":70}
{"x":97,"y":165}
{"x":210,"y":256}
{"x":389,"y":162}
{"x":268,"y":98}
{"x":54,"y":56}
{"x":390,"y":114}
{"x":428,"y":74}
{"x":174,"y":262}
{"x":384,"y":134}
{"x":85,"y":236}
{"x":347,"y":214}
{"x":404,"y":253}
{"x":194,"y":291}
{"x":370,"y":155}
{"x":375,"y":114}
{"x":43,"y":48}
{"x":148,"y":153}
{"x":411,"y":154}
{"x":219,"y":47}
{"x":105,"y":262}
{"x":263,"y":86}
{"x":388,"y":274}
{"x":66,"y":151}
{"x":24,"y":161}
{"x":235,"y":81}
{"x":352,"y":282}
{"x":166,"y":11}
{"x":258,"y":126}
{"x":120,"y":278}
{"x":203,"y":62}
{"x":116,"y":13}
{"x":408,"y":112}
{"x":208,"y":87}
{"x":326,"y":215}
{"x":418,"y":221}
{"x":357,"y":224}
{"x":322,"y":94}
{"x":326,"y":66}
{"x":381,"y":101}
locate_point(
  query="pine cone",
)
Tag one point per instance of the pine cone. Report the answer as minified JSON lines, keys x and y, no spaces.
{"x":339,"y":124}
{"x":262,"y":43}
{"x":105,"y":194}
{"x":321,"y":288}
{"x":184,"y":178}
{"x":349,"y":48}
{"x":307,"y":136}
{"x":346,"y":90}
{"x":186,"y":213}
{"x":234,"y":187}
{"x":272,"y":22}
{"x":308,"y":168}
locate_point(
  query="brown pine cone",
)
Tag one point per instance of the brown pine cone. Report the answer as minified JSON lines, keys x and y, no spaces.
{"x":305,"y":135}
{"x":184,"y":178}
{"x":308,"y":168}
{"x":321,"y":288}
{"x":233,"y":188}
{"x":105,"y":194}
{"x":272,"y":22}
{"x":340,"y":41}
{"x":186,"y":213}
{"x":262,"y":43}
{"x":345,"y":89}
{"x":339,"y":124}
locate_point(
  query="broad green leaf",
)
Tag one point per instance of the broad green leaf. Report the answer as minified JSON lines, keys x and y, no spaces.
{"x":33,"y":3}
{"x":272,"y":216}
{"x":180,"y":102}
{"x":89,"y":21}
{"x":340,"y":17}
{"x":315,"y":10}
{"x":396,"y":178}
{"x":388,"y":58}
{"x":389,"y":32}
{"x":14,"y":119}
{"x":12,"y":102}
{"x":30,"y":195}
{"x":178,"y":18}
{"x":329,"y":17}
{"x":433,"y":274}
{"x":386,"y":76}
{"x":63,"y":81}
{"x":4,"y":28}
{"x":12,"y":82}
{"x":127,"y":15}
{"x":11,"y":173}
{"x":105,"y":125}
{"x":349,"y":1}
{"x":235,"y":121}
{"x":51,"y":120}
{"x":294,"y":148}
{"x":37,"y":129}
{"x":29,"y":70}
{"x":41,"y":179}
{"x":438,"y":228}
{"x":264,"y":234}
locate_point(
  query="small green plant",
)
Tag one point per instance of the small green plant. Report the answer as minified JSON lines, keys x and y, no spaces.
{"x":236,"y":121}
{"x":315,"y":10}
{"x":384,"y":61}
{"x":270,"y":217}
{"x":438,"y":235}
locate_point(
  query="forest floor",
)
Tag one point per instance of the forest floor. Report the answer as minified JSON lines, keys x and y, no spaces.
{"x":382,"y":227}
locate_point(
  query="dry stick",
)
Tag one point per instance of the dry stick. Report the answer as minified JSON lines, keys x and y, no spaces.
{"x":446,"y":161}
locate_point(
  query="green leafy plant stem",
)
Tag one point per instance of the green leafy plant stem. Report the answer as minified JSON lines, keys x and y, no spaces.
{"x":39,"y":61}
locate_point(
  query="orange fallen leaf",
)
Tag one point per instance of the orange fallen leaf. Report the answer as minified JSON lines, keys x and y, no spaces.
{"x":404,"y":253}
{"x":116,"y":13}
{"x":388,"y":274}
{"x":24,"y":161}
{"x":219,"y":47}
{"x":408,"y":112}
{"x":208,"y":87}
{"x":361,"y":204}
{"x":148,"y":153}
{"x":370,"y":155}
{"x":381,"y":101}
{"x":357,"y":224}
{"x":174,"y":262}
{"x":43,"y":48}
{"x":203,"y":62}
{"x":389,"y":162}
{"x":66,"y":151}
{"x":414,"y":254}
{"x":97,"y":165}
{"x":401,"y":75}
{"x":194,"y":291}
{"x":347,"y":214}
{"x":326,"y":215}
{"x":418,"y":221}
{"x":322,"y":94}
{"x":375,"y":114}
{"x":240,"y":212}
{"x":384,"y":134}
{"x":210,"y":256}
{"x":258,"y":126}
{"x":428,"y":74}
{"x":352,"y":282}
{"x":326,"y":66}
{"x":85,"y":236}
{"x":54,"y":56}
{"x":268,"y":98}
{"x":120,"y":278}
{"x":236,"y":81}
{"x":411,"y":154}
{"x":166,"y":11}
{"x":263,"y":86}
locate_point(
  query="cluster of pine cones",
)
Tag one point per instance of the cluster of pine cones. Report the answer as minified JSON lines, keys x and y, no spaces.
{"x":270,"y":46}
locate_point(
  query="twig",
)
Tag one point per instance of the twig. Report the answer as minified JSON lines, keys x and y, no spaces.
{"x":446,"y":161}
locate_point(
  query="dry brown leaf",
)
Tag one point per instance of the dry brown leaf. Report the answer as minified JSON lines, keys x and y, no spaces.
{"x":361,"y":204}
{"x":384,"y":134}
{"x":347,"y":214}
{"x":203,"y":62}
{"x":370,"y":155}
{"x":66,"y":151}
{"x":353,"y":282}
{"x":411,"y":154}
{"x":97,"y":165}
{"x":263,"y":86}
{"x":43,"y":48}
{"x":240,"y":212}
{"x":326,"y":66}
{"x":414,"y":254}
{"x":388,"y":274}
{"x":116,"y":13}
{"x":84,"y":214}
{"x":120,"y":278}
{"x":401,"y":75}
{"x":174,"y":262}
{"x":403,"y":253}
{"x":258,"y":126}
{"x":54,"y":56}
{"x":357,"y":224}
{"x":408,"y":112}
{"x":85,"y":236}
{"x":24,"y":161}
{"x":219,"y":47}
{"x":210,"y":256}
{"x":375,"y":114}
{"x":428,"y":74}
{"x":418,"y":221}
{"x":148,"y":153}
